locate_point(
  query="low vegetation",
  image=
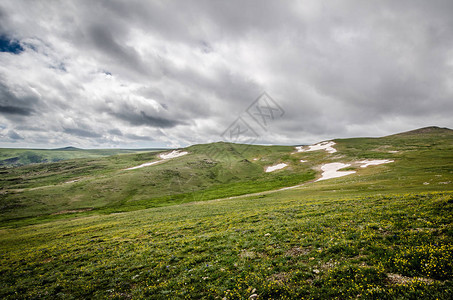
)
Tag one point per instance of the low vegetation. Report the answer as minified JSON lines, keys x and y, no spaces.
{"x":160,"y":232}
{"x":20,"y":157}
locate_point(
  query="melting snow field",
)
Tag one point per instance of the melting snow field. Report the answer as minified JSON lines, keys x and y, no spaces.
{"x":71,"y":181}
{"x":173,"y":154}
{"x":327,"y":146}
{"x":276,"y":167}
{"x":366,"y":163}
{"x":144,"y":165}
{"x":331,"y":171}
{"x":163,"y":156}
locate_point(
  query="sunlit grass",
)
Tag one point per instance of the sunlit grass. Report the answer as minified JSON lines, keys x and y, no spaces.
{"x":384,"y":232}
{"x":280,"y":246}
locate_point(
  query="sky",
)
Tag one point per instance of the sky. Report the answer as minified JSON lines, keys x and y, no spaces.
{"x":135,"y":74}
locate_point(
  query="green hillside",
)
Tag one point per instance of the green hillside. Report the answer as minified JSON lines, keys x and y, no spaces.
{"x":20,"y":157}
{"x":213,"y":224}
{"x":208,"y":172}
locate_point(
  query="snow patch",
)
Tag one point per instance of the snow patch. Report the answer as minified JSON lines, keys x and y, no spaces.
{"x":303,"y":160}
{"x":71,"y":181}
{"x":331,"y":171}
{"x":276,"y":167}
{"x":366,"y":163}
{"x":144,"y":165}
{"x":173,"y":154}
{"x":327,"y":146}
{"x":163,"y":156}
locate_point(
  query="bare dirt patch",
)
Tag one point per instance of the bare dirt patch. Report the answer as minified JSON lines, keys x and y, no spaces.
{"x":279,"y":278}
{"x":297,"y":251}
{"x":247,"y":254}
{"x":400,"y":279}
{"x":72,"y":211}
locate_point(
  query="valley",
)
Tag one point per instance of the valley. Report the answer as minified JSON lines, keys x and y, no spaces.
{"x":214,"y":224}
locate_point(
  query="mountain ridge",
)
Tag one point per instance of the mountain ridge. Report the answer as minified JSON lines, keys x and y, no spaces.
{"x":425,"y":130}
{"x":215,"y":217}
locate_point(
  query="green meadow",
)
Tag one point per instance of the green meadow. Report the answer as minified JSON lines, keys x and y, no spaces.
{"x":214,"y":225}
{"x":20,"y":157}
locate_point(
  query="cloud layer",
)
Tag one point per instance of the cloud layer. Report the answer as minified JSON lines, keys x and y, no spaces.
{"x":173,"y":73}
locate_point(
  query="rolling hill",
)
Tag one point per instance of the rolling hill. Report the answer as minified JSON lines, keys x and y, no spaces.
{"x":21,"y":156}
{"x":217,"y":223}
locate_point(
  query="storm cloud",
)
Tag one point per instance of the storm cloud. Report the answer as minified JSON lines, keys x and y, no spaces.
{"x":113,"y":73}
{"x":20,"y":104}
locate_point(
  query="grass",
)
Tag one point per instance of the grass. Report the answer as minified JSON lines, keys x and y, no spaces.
{"x":103,"y":185}
{"x":282,"y":246}
{"x":20,"y":157}
{"x":385,"y":232}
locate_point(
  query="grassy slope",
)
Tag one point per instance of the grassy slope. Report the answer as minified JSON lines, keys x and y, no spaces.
{"x":19,"y":157}
{"x":381,"y":233}
{"x":208,"y":172}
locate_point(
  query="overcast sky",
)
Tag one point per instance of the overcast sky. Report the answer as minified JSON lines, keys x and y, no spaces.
{"x":173,"y":73}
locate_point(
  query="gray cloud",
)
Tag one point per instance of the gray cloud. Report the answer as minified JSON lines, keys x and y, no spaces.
{"x":144,"y":119}
{"x":182,"y":72}
{"x":115,"y":132}
{"x":104,"y":40}
{"x":14,"y":110}
{"x":14,"y":135}
{"x":138,"y":137}
{"x":12,"y":104}
{"x":81,"y":132}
